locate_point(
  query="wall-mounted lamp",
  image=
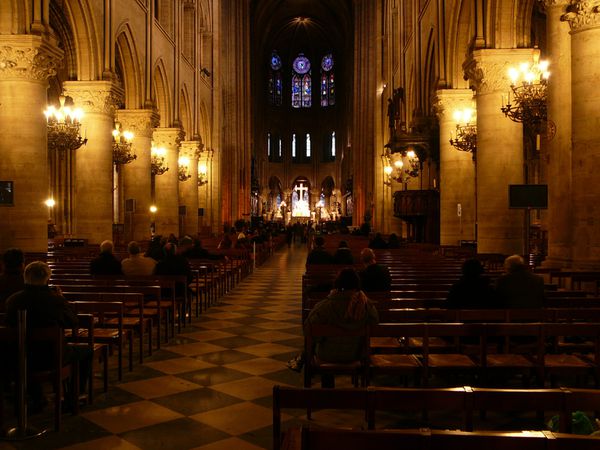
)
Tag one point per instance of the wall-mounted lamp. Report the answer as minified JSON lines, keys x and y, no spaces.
{"x":184,"y":169}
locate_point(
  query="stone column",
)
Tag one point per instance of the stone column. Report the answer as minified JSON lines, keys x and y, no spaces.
{"x":457,"y":172}
{"x":26,"y":63}
{"x":136,"y":175}
{"x":499,"y":151}
{"x":188,"y":190}
{"x":167,"y":184}
{"x":559,"y":149}
{"x":93,"y":202}
{"x":584,"y":19}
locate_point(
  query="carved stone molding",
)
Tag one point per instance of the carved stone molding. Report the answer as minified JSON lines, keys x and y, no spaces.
{"x":168,"y":137}
{"x":191,"y":149}
{"x":583,"y":14}
{"x":100,"y":97}
{"x":487,"y":70}
{"x":446,"y":101}
{"x":27,"y":57}
{"x":141,"y":122}
{"x":547,"y":4}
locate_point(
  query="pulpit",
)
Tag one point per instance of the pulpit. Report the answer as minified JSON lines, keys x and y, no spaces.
{"x":420,"y":209}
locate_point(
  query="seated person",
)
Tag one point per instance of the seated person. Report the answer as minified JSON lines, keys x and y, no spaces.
{"x":196,"y":251}
{"x":11,"y":279}
{"x":155,"y":249}
{"x":519,"y":288}
{"x":137,"y":264}
{"x":319,"y":255}
{"x":393,"y":241}
{"x":378,"y":242}
{"x":105,"y":263}
{"x":225,"y":243}
{"x":174,"y":263}
{"x":374,"y":277}
{"x":343,"y":254}
{"x":45,"y":307}
{"x":472,"y":290}
{"x":348,"y":307}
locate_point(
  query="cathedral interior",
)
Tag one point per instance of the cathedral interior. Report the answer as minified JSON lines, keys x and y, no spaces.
{"x":461,"y":125}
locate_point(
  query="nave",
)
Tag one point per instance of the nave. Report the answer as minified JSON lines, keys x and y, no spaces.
{"x":211,"y":386}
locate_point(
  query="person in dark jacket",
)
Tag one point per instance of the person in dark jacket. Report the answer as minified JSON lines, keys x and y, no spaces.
{"x":349,"y":308}
{"x":374,"y":277}
{"x":343,"y":254}
{"x":46,"y":307}
{"x":393,"y":241}
{"x":11,"y":280}
{"x":319,"y":255}
{"x":174,"y":263}
{"x":106,"y":263}
{"x":519,"y":288}
{"x":378,"y":242}
{"x":473,"y":290}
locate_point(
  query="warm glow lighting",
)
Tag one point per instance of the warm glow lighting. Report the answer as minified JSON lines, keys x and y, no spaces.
{"x":183,"y":161}
{"x":153,"y":209}
{"x":398,"y":164}
{"x":159,"y":151}
{"x":50,"y":203}
{"x":411,"y":154}
{"x":202,"y":169}
{"x":388,"y":170}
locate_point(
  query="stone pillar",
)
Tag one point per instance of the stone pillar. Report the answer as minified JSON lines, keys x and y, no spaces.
{"x":499,"y":151}
{"x":457,"y":172}
{"x":136,"y":175}
{"x":584,"y":19}
{"x":188,"y":190}
{"x":93,"y":202}
{"x":167,"y":184}
{"x":26,"y":63}
{"x":559,"y":149}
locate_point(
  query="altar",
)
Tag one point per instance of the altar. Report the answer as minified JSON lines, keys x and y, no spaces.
{"x":300,"y":201}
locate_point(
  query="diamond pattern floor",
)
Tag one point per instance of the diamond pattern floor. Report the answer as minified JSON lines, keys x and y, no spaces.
{"x":210,"y":388}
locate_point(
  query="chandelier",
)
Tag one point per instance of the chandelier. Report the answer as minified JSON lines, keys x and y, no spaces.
{"x":395,"y":168}
{"x":158,"y":165}
{"x":202,"y":175}
{"x":529,"y":91}
{"x":465,"y":137}
{"x":122,"y":143}
{"x":63,"y":127}
{"x":184,"y":173}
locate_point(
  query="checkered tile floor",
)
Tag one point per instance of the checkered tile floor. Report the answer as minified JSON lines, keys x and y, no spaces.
{"x":211,"y":387}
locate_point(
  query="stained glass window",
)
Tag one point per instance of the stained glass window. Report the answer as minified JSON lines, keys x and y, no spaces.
{"x":327,"y":81}
{"x":301,"y":83}
{"x":269,"y":145}
{"x":294,"y":145}
{"x":308,"y":145}
{"x":275,"y":80}
{"x":279,"y":148}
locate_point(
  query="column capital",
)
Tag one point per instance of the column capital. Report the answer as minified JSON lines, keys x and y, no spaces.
{"x":28,"y":57}
{"x":168,"y":137}
{"x":448,"y":100}
{"x":101,"y":97}
{"x":191,"y":149}
{"x":487,"y":70}
{"x":547,"y":4}
{"x":582,"y":14}
{"x":141,"y":121}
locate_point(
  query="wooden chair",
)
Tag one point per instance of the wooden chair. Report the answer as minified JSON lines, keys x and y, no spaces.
{"x":358,"y":369}
{"x":311,"y":399}
{"x":328,"y":439}
{"x":51,"y":340}
{"x":418,"y":400}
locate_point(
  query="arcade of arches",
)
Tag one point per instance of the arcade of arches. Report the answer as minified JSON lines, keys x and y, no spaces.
{"x":330,"y":110}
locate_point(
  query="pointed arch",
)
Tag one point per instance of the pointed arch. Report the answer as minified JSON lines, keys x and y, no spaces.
{"x":128,"y":67}
{"x":431,"y":73}
{"x":461,"y":34}
{"x":162,"y":94}
{"x":204,"y":126}
{"x":185,"y":113}
{"x":88,"y":44}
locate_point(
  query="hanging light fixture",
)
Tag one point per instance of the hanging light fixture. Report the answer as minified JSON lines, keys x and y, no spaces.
{"x":64,"y":124}
{"x":158,"y":165}
{"x":184,"y":169}
{"x":202,"y":174}
{"x":122,"y":143}
{"x":465,"y":137}
{"x":400,"y":167}
{"x":529,"y":92}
